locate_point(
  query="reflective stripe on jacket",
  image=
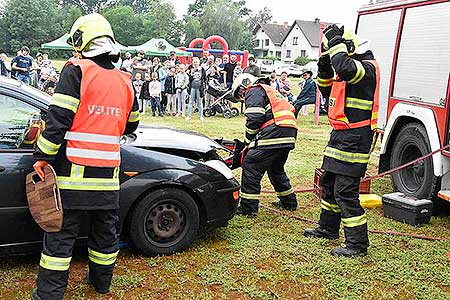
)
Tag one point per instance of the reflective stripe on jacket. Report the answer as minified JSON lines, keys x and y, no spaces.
{"x":101,"y":117}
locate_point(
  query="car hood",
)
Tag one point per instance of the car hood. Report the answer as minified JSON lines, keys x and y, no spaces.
{"x":160,"y":137}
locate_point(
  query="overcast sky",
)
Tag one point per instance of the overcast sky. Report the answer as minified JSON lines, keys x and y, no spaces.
{"x":344,"y":12}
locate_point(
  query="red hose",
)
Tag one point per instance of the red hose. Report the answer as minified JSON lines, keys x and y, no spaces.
{"x":374,"y":231}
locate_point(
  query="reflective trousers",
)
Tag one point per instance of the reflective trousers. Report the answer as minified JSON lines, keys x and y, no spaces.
{"x":57,"y":252}
{"x":256,"y":163}
{"x":340,"y":202}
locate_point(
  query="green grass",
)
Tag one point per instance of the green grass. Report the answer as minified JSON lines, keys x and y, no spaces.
{"x":267,"y":257}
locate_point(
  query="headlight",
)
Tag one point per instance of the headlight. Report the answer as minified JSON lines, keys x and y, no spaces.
{"x":220,"y":167}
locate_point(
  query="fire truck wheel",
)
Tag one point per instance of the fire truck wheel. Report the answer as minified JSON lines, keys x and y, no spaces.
{"x":417,"y":180}
{"x":166,"y":221}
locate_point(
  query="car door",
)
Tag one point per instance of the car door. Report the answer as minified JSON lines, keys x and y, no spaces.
{"x":16,"y":160}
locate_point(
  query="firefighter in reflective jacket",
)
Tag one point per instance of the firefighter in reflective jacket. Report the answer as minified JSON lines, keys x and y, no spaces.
{"x":353,"y":108}
{"x":93,"y":106}
{"x":270,"y":133}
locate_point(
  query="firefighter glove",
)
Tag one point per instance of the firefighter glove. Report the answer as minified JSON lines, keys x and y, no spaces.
{"x":332,"y":36}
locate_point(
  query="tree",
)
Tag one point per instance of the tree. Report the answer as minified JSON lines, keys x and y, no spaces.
{"x":263,"y":16}
{"x":127,"y":27}
{"x":89,"y":6}
{"x":26,"y":23}
{"x":71,"y":14}
{"x":197,"y":8}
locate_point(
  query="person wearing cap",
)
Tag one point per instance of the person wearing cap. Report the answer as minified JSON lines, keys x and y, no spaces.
{"x":252,"y":68}
{"x":308,"y":94}
{"x":92,"y":107}
{"x":349,"y":77}
{"x":270,"y":134}
{"x":139,"y":64}
{"x":22,"y":65}
{"x":173,"y":60}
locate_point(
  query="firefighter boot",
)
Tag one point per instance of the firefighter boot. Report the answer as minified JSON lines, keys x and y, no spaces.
{"x":243,"y":212}
{"x":320,"y":233}
{"x":88,"y":281}
{"x":279,"y":205}
{"x":348,"y":252}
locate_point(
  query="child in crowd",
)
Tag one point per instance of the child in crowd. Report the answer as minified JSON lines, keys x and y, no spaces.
{"x":214,"y":74}
{"x":137,"y":84}
{"x":181,"y":85}
{"x":170,"y":89}
{"x":155,"y":95}
{"x":274,"y":81}
{"x":237,"y":70}
{"x":144,"y":97}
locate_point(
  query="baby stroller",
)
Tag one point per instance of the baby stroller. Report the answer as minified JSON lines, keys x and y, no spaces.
{"x":48,"y":79}
{"x":220,"y":104}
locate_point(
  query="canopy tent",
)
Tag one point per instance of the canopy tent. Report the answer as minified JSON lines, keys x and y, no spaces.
{"x":158,"y":47}
{"x":61,"y":44}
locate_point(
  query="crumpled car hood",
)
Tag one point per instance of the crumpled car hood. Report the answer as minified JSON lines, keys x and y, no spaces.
{"x":160,"y":137}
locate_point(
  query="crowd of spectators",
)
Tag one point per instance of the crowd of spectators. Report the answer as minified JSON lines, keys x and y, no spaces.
{"x":164,"y":88}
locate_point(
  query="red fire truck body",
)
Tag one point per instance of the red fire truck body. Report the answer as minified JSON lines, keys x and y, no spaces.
{"x":411,"y":41}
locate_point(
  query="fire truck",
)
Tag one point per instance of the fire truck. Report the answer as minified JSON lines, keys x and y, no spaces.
{"x":411,"y":42}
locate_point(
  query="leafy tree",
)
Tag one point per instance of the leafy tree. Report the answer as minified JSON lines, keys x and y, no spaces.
{"x":126,"y":25}
{"x":26,"y":23}
{"x":70,"y":15}
{"x":263,"y":16}
{"x":197,"y":9}
{"x":89,"y":6}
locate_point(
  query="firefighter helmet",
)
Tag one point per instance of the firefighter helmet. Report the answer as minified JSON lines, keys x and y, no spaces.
{"x":241,"y":83}
{"x":87,"y":28}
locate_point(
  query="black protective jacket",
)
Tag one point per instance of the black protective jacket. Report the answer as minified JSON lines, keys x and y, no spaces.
{"x":59,"y":121}
{"x":350,"y":147}
{"x":257,"y":112}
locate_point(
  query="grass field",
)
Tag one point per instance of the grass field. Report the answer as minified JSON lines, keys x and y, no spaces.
{"x":267,"y":257}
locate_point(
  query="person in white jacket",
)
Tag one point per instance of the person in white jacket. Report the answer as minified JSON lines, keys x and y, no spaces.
{"x":181,"y":86}
{"x":154,"y":89}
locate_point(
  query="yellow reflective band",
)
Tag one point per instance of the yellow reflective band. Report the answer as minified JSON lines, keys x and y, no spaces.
{"x":324,"y":82}
{"x":104,"y":259}
{"x":268,"y":107}
{"x":134,"y":116}
{"x":286,"y":193}
{"x":55,"y":263}
{"x":88,"y":184}
{"x":361,"y":158}
{"x":287,"y":122}
{"x":76,"y":171}
{"x":360,"y":73}
{"x":246,"y":140}
{"x":355,"y":221}
{"x":249,"y":196}
{"x":255,"y":110}
{"x":251,"y":131}
{"x":47,"y":147}
{"x":330,"y":207}
{"x":358,"y":103}
{"x":339,"y":48}
{"x":276,"y":141}
{"x":65,"y":101}
{"x":283,"y":113}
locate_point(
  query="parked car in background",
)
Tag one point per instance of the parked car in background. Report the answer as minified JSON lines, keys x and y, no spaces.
{"x":173,"y":182}
{"x":266,"y":65}
{"x":291,"y":70}
{"x":311,"y":66}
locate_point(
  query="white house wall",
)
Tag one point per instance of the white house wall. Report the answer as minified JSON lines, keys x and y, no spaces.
{"x":303,"y":44}
{"x":262,"y":36}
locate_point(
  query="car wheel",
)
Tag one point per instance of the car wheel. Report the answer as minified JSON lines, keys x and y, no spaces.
{"x":166,"y":221}
{"x":417,"y":180}
{"x":227,"y":114}
{"x":234,"y":112}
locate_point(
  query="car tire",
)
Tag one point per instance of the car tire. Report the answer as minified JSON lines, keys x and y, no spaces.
{"x":417,"y":180}
{"x":234,"y":112}
{"x":166,"y":221}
